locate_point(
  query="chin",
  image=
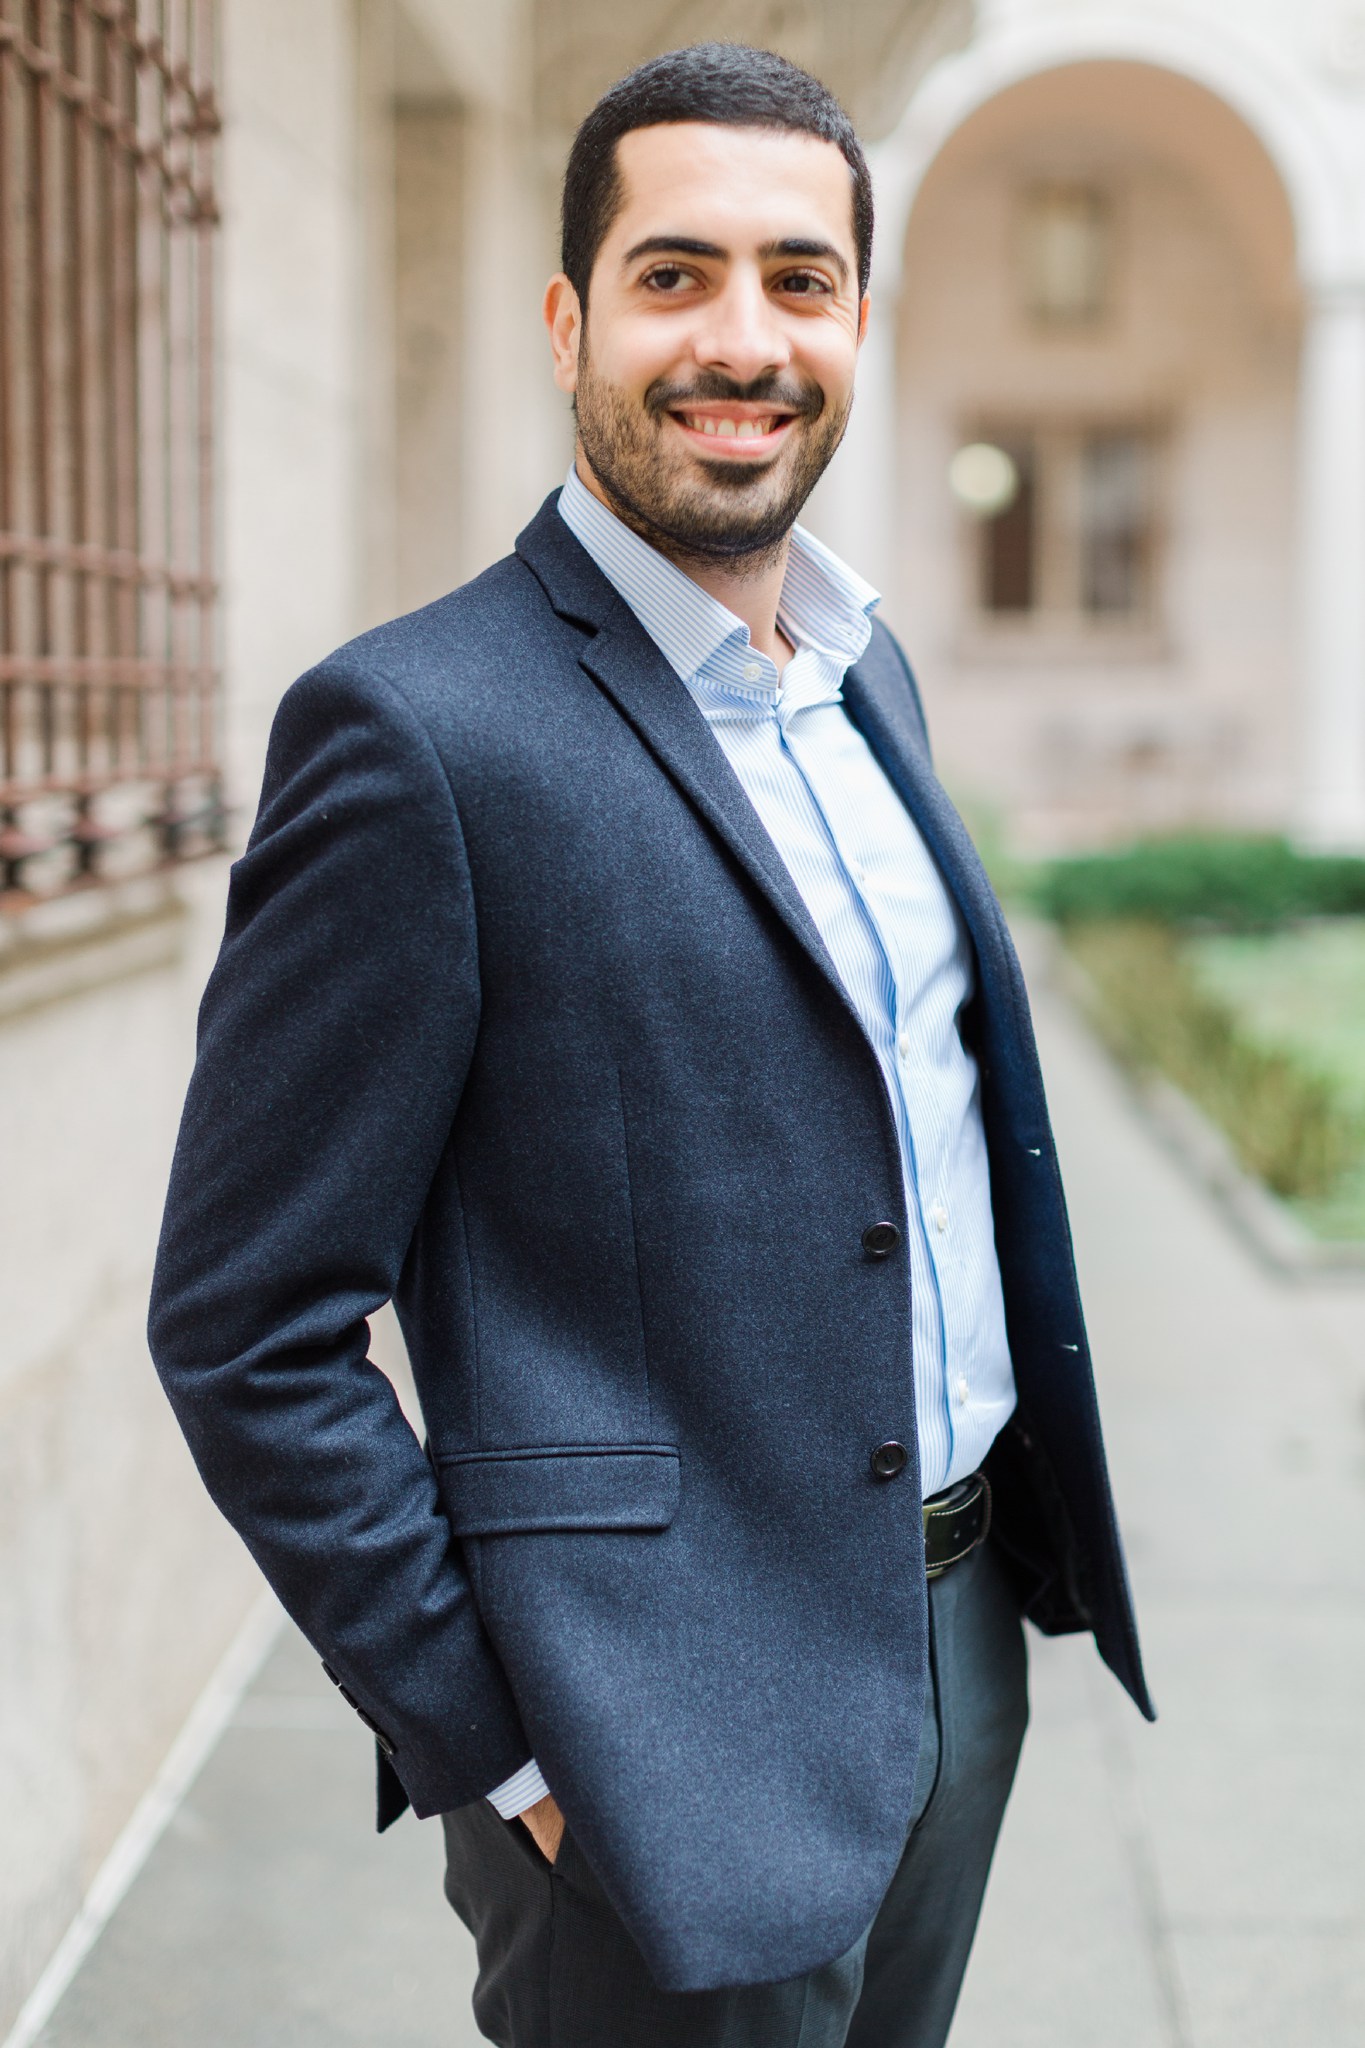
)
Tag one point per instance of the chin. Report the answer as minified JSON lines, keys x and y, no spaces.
{"x":733,"y":476}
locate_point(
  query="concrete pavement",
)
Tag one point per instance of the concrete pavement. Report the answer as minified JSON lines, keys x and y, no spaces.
{"x":1200,"y":1884}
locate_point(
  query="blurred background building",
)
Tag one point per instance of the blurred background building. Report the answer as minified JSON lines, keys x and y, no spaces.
{"x":271,"y":368}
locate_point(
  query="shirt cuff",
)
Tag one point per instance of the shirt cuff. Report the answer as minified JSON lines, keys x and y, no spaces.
{"x":519,"y":1791}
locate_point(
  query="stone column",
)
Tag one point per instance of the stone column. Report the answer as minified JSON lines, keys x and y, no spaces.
{"x":430,"y":282}
{"x":516,"y":431}
{"x":853,"y":509}
{"x":1330,"y":809}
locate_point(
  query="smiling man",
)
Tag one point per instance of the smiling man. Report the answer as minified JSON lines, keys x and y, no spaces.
{"x":609,"y":982}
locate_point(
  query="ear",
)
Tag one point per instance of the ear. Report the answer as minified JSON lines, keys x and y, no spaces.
{"x":564,"y":320}
{"x":863,"y":312}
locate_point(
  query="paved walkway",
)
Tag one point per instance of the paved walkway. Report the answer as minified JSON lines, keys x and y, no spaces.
{"x":1196,"y":1885}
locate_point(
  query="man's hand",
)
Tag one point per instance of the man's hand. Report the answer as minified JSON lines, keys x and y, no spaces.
{"x":546,"y":1824}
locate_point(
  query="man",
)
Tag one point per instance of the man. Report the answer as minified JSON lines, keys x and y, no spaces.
{"x":609,"y":981}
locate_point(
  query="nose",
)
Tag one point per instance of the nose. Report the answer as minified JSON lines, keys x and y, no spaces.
{"x":740,"y":333}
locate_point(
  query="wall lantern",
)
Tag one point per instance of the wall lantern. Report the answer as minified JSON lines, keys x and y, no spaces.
{"x":1065,"y":249}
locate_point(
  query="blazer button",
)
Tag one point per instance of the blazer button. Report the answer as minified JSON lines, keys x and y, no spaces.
{"x":880,"y":1240}
{"x":888,"y":1459}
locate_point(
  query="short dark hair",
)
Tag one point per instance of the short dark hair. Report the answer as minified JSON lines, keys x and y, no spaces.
{"x":728,"y":83}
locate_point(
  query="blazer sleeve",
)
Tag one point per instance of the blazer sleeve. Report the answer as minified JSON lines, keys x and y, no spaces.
{"x":334,"y":1039}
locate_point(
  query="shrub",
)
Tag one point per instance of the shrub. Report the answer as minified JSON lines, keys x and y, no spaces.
{"x":1288,"y":1125}
{"x":1241,"y":884}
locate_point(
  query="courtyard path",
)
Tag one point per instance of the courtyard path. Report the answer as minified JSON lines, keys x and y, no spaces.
{"x":1200,"y":1884}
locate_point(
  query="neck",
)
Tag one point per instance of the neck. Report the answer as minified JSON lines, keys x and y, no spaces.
{"x":751,"y":589}
{"x":750,"y":586}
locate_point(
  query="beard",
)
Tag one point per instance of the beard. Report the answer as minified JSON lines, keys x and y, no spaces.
{"x":738,"y":513}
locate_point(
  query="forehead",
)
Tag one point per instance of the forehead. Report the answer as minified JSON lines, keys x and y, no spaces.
{"x":731,"y":186}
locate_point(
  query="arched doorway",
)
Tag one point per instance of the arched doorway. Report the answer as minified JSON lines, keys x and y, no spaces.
{"x":1099,"y":279}
{"x":1204,"y":106}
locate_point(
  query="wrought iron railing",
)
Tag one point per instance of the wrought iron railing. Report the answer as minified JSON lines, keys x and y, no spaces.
{"x":109,"y":693}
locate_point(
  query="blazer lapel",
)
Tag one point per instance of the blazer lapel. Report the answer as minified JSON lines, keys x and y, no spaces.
{"x":879,"y":703}
{"x":624,"y":662}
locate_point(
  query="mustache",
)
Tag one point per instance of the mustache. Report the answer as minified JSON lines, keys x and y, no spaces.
{"x":807,"y":401}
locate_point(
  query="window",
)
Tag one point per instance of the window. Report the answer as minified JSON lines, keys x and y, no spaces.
{"x":108,"y":680}
{"x":1009,"y":555}
{"x":1066,"y":533}
{"x":1114,"y":525}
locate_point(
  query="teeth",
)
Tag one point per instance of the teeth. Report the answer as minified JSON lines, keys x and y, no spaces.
{"x":739,"y":430}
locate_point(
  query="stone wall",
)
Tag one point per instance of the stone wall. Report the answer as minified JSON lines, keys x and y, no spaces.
{"x":119,"y":1585}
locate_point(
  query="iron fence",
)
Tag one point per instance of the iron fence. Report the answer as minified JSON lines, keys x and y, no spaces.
{"x":109,"y":692}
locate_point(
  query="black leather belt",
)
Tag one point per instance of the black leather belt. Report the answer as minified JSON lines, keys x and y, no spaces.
{"x":955,"y":1522}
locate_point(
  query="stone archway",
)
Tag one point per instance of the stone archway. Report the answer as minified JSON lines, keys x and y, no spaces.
{"x":1276,"y":108}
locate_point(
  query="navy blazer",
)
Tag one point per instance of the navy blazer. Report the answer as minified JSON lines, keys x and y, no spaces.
{"x":520,"y":1020}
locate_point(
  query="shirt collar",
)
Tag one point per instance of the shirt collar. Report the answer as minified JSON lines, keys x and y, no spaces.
{"x":824,"y":605}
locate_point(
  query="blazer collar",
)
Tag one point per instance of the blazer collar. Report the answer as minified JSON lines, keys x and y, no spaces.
{"x":565,"y":570}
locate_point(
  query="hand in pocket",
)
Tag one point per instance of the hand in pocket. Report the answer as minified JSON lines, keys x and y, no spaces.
{"x":545,"y":1824}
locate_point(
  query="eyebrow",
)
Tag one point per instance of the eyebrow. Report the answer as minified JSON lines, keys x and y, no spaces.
{"x":671,"y":245}
{"x":796,"y":245}
{"x":688,"y":245}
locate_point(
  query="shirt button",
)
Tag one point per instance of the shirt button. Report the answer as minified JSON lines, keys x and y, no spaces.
{"x":903,"y":1045}
{"x":752,"y":671}
{"x":962,"y":1390}
{"x":940,"y":1216}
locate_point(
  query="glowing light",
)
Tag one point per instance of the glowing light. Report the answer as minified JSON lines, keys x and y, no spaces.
{"x":983,"y":479}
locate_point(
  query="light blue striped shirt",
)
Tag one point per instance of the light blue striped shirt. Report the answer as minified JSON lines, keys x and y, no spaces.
{"x":889,"y":925}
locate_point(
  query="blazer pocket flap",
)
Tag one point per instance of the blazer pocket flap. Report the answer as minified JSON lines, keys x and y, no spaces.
{"x":574,"y":1486}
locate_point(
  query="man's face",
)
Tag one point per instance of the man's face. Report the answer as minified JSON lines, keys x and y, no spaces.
{"x":713,"y":376}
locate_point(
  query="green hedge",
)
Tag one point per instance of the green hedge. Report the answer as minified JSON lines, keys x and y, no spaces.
{"x":1241,"y":884}
{"x":1289,"y":1126}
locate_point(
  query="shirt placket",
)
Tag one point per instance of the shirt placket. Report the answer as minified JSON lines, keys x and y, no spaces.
{"x":845,"y":835}
{"x":922,"y":1086}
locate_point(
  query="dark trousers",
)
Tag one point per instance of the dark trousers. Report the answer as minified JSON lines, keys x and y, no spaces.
{"x":557,"y":1968}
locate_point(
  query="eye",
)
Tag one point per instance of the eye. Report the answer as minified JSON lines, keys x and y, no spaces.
{"x":666,"y":278}
{"x":805,"y":284}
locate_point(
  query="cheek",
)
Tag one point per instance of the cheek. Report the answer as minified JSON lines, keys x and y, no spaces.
{"x":831,"y":359}
{"x":832,"y":342}
{"x":638,"y":354}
